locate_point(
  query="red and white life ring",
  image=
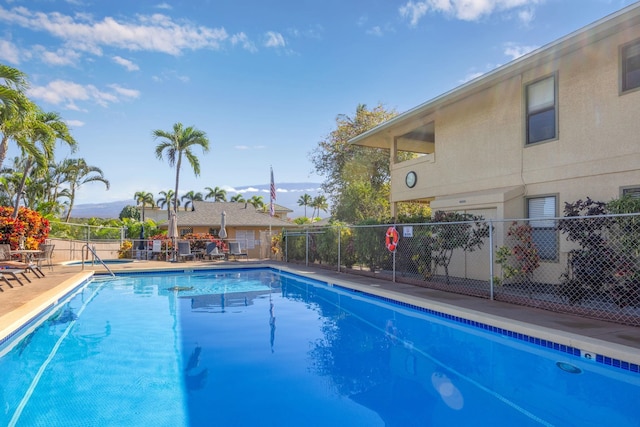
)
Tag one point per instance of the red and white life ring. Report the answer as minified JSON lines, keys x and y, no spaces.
{"x":391,"y":239}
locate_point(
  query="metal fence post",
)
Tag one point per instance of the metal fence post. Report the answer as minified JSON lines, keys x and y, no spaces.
{"x":339,"y":234}
{"x":491,"y":273}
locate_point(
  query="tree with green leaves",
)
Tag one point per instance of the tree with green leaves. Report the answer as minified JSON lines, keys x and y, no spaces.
{"x":168,"y":199}
{"x":348,"y":168}
{"x":13,"y":105}
{"x":256,"y":201}
{"x":129,"y":212}
{"x":180,"y":143}
{"x":78,"y":173}
{"x":144,"y":199}
{"x":319,"y":203}
{"x":305,"y":200}
{"x":191,"y":197}
{"x":238,"y":198}
{"x":217,"y":194}
{"x":37,"y":143}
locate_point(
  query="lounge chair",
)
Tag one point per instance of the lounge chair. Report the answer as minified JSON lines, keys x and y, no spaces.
{"x":235,"y":251}
{"x":184,"y":250}
{"x":213,"y":252}
{"x":13,"y":273}
{"x":7,"y":262}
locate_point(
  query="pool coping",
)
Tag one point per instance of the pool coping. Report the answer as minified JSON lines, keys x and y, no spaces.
{"x":17,"y":320}
{"x":589,"y":348}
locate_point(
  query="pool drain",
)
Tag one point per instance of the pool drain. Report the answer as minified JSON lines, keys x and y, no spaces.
{"x":568,"y":367}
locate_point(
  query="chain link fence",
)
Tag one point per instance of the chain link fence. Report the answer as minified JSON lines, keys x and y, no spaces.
{"x":589,"y":266}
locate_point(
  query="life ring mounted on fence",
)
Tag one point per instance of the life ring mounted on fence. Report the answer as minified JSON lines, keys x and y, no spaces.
{"x":391,"y":239}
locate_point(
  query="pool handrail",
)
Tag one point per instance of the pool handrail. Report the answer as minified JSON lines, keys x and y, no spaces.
{"x":95,"y":256}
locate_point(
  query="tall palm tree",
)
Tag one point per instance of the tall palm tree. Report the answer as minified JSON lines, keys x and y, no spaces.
{"x":217,"y":194}
{"x":37,"y":143}
{"x":318,"y":204}
{"x":238,"y":198}
{"x":167,"y":199}
{"x":191,"y":197}
{"x":78,"y":173}
{"x":144,"y":198}
{"x":13,"y":104}
{"x":304,"y":200}
{"x":256,"y":201}
{"x":180,"y":143}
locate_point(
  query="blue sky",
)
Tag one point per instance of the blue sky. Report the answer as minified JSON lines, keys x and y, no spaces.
{"x":264,"y":79}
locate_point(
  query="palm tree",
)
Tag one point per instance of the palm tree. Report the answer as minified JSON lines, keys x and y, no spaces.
{"x":167,"y":199}
{"x":191,"y":197}
{"x":77,"y":173}
{"x":217,"y":194}
{"x":304,"y":200}
{"x":318,"y":204}
{"x":177,"y":144}
{"x":238,"y":198}
{"x":13,"y":104}
{"x":37,"y":142}
{"x":256,"y":201}
{"x":145,"y":199}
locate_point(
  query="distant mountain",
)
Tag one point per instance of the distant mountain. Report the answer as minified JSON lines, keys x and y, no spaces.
{"x":287,"y":195}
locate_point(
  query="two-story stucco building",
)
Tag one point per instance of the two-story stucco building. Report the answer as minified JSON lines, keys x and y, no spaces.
{"x":556,"y":125}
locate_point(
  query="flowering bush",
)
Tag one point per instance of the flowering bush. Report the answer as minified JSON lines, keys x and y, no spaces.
{"x":29,"y":225}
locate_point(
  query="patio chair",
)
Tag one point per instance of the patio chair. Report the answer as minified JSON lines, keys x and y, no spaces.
{"x":235,"y":251}
{"x":46,"y":257}
{"x":184,"y":250}
{"x":213,"y":252}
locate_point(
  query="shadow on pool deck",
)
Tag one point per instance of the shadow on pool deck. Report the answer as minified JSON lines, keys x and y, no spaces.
{"x":19,"y":303}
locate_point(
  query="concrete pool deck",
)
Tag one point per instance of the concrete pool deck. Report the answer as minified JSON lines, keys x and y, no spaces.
{"x":21,"y":303}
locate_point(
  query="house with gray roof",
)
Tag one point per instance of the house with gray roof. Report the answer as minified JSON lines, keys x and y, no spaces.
{"x":244,"y":224}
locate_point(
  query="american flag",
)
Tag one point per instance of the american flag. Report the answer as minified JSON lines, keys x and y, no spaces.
{"x":272,"y":208}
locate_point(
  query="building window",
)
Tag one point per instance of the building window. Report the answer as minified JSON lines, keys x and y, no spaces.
{"x":633,"y":192}
{"x":631,"y":66}
{"x":541,"y":110}
{"x":542,"y":211}
{"x":185,"y":231}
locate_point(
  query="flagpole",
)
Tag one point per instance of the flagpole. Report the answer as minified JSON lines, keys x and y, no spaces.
{"x":272,"y":194}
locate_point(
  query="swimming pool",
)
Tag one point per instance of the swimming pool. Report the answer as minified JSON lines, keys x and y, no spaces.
{"x":238,"y":347}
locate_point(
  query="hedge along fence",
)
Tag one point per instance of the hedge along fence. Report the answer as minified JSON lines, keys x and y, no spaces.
{"x":585,"y":265}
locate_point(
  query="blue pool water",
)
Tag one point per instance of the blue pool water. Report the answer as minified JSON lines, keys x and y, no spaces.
{"x":259,"y":348}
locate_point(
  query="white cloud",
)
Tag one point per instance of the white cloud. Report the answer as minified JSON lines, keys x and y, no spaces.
{"x":243,"y":40}
{"x":75,"y":123}
{"x":156,"y":33}
{"x":241,"y":147}
{"x":465,"y":10}
{"x":514,"y":51}
{"x":274,"y":39}
{"x":129,"y":65}
{"x":165,"y":6}
{"x":58,"y":58}
{"x":128,"y":93}
{"x":66,"y":93}
{"x":9,"y":52}
{"x":375,"y":31}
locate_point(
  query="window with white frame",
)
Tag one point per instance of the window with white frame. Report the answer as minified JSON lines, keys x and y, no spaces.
{"x":630,"y":61}
{"x":541,"y":110}
{"x":542,"y":211}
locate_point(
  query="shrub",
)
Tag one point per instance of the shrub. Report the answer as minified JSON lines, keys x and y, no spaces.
{"x":29,"y":225}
